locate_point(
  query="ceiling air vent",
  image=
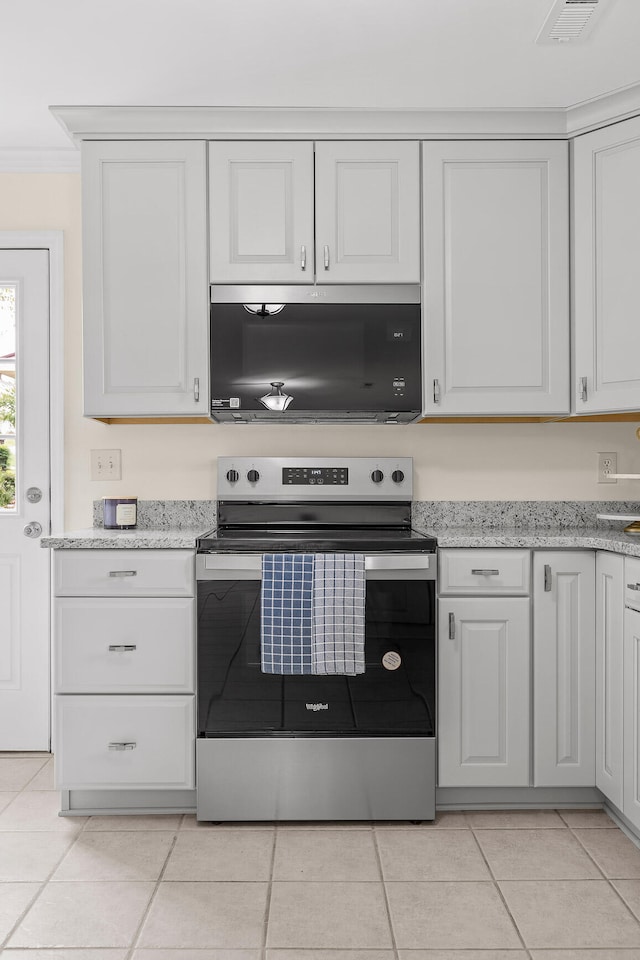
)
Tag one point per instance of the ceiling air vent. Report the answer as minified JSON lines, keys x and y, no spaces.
{"x":570,"y":21}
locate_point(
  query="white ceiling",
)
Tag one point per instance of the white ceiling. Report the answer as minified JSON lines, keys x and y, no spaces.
{"x":334,"y":53}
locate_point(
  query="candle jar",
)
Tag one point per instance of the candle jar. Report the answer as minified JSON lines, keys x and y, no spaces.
{"x":120,"y":513}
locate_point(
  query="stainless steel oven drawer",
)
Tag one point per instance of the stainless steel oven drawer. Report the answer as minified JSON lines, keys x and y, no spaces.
{"x":316,"y":778}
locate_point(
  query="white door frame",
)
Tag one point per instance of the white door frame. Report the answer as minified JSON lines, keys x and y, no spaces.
{"x":51,"y":240}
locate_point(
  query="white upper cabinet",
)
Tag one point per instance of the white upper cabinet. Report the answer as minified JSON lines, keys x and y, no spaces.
{"x":261,"y":211}
{"x":367,"y":212}
{"x":606,"y":259}
{"x":496,"y":278}
{"x":145,"y":287}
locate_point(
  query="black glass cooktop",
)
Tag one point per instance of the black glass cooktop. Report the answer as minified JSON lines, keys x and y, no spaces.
{"x":315,"y":540}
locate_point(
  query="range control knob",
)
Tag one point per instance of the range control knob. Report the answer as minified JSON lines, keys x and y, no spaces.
{"x":233,"y":476}
{"x":397,"y":476}
{"x":253,"y":476}
{"x":377,"y":476}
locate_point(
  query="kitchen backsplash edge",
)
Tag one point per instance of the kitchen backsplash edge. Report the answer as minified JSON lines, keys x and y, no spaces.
{"x":428,"y":514}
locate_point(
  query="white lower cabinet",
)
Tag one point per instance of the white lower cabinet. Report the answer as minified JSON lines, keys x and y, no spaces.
{"x":631,"y":707}
{"x":609,"y":675}
{"x":119,"y":742}
{"x":124,"y":669}
{"x":563,"y":669}
{"x":483,"y":684}
{"x":516,"y":680}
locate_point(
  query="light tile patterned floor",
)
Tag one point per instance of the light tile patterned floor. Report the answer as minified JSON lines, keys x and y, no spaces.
{"x":528,"y":885}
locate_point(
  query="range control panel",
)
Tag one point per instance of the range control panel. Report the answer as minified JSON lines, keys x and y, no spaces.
{"x":317,"y":478}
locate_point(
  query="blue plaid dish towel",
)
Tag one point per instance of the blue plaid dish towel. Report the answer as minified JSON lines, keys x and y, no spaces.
{"x":313,"y":613}
{"x":338,"y":614}
{"x":286,"y":612}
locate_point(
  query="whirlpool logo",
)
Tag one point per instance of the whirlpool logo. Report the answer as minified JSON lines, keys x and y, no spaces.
{"x":317,"y":706}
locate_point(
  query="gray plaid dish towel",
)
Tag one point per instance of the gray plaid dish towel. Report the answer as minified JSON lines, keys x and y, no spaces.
{"x":337,"y":645}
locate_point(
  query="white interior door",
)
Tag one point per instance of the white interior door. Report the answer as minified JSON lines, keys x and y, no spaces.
{"x":24,"y":455}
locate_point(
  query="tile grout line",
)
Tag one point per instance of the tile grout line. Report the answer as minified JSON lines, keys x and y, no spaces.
{"x":394,"y":944}
{"x":609,"y":880}
{"x":499,"y":891}
{"x":267,"y":909}
{"x":43,"y":884}
{"x":147,"y":910}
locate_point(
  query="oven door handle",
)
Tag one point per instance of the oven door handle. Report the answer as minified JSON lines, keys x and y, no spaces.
{"x":248,"y":566}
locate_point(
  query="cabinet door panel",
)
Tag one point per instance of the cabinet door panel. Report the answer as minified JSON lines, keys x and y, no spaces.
{"x":609,"y":674}
{"x":367,"y":212}
{"x":496,"y":278}
{"x":631,"y":700}
{"x":564,"y":669}
{"x":606,"y":256}
{"x":483,"y":693}
{"x":145,"y":304}
{"x":261,"y":212}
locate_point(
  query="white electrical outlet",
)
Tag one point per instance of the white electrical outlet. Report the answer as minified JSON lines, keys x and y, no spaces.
{"x":106,"y":464}
{"x":607,"y":463}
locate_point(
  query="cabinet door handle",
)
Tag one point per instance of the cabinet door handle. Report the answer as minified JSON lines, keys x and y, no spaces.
{"x":121,"y":647}
{"x":436,"y":391}
{"x":326,"y":256}
{"x":583,"y":389}
{"x":547,"y":577}
{"x":303,"y":257}
{"x":633,"y":586}
{"x":452,"y":626}
{"x":196,"y":389}
{"x":486,"y":573}
{"x":123,"y":745}
{"x":123,"y":573}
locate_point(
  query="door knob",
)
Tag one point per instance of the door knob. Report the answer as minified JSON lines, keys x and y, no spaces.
{"x":33,"y":530}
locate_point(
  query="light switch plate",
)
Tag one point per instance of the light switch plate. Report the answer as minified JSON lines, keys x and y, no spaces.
{"x":106,"y":464}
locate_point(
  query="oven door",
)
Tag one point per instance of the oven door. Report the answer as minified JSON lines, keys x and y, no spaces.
{"x":395,"y":694}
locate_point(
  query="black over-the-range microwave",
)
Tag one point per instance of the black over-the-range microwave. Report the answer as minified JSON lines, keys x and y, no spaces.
{"x":316,"y":354}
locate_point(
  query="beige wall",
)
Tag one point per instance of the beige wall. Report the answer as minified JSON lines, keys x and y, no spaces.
{"x":452,"y":461}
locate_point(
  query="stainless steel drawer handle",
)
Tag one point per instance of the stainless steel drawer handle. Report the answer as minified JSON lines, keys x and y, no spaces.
{"x":633,"y":586}
{"x":452,"y":626}
{"x":303,"y":257}
{"x":123,"y":573}
{"x":121,"y":647}
{"x":486,"y":573}
{"x":547,"y":577}
{"x":326,"y":256}
{"x":123,"y":745}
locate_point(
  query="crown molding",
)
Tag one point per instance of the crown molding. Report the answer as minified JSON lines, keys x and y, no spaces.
{"x":262,"y":123}
{"x":39,"y":161}
{"x":322,"y":123}
{"x":601,"y":111}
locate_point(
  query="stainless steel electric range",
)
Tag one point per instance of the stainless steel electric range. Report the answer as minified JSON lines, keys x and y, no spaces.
{"x":307,"y":747}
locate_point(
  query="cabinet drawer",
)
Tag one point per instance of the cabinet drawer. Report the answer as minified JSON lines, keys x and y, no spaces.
{"x":485,"y":572}
{"x":632,"y":583}
{"x":124,"y":645}
{"x":117,"y":742}
{"x":125,"y":573}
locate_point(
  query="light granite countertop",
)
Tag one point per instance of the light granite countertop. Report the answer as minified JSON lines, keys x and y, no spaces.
{"x":175,"y":538}
{"x":583,"y":538}
{"x":97,"y":538}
